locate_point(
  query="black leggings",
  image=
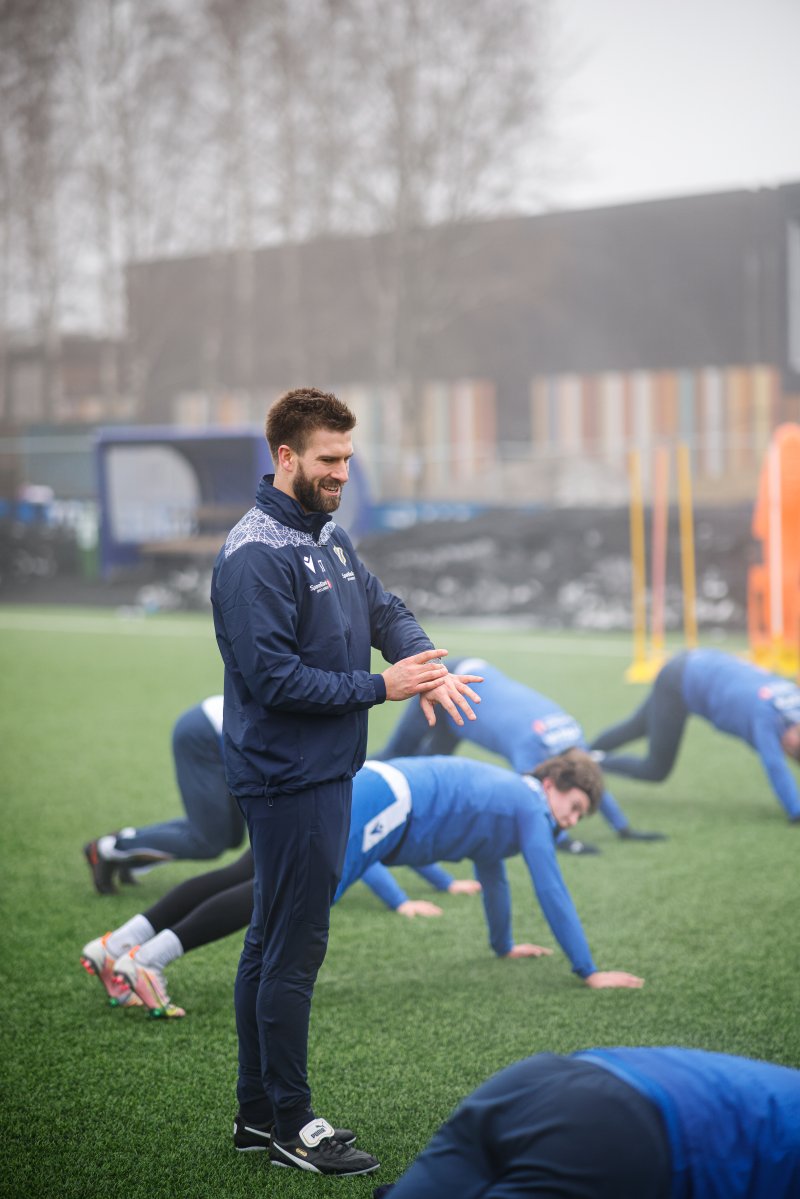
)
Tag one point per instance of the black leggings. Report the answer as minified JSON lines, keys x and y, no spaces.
{"x":209,"y":906}
{"x":661,"y":718}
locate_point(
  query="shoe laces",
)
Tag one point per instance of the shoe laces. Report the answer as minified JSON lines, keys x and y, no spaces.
{"x":334,"y":1147}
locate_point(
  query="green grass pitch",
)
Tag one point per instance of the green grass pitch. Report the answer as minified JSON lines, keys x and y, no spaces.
{"x":408,"y":1015}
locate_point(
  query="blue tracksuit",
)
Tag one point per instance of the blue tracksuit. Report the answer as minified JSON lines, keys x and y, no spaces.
{"x":516,"y":723}
{"x":734,"y":696}
{"x":650,"y":1123}
{"x":295,"y":614}
{"x":213,"y":822}
{"x":416,"y":811}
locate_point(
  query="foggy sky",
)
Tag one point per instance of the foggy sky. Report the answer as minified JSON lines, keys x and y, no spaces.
{"x":672,"y":98}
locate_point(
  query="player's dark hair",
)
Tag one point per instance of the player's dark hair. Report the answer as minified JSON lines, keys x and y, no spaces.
{"x":297,"y":414}
{"x":573,"y":768}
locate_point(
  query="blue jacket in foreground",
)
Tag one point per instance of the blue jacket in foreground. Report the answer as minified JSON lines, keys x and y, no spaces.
{"x":733,"y":1124}
{"x":295,"y":614}
{"x":417,"y":811}
{"x":739,"y":698}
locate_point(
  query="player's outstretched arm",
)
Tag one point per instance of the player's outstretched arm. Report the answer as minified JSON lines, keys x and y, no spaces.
{"x":612,"y":978}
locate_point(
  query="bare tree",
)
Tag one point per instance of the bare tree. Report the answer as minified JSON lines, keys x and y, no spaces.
{"x":34,"y":158}
{"x":451,"y":101}
{"x":142,"y":129}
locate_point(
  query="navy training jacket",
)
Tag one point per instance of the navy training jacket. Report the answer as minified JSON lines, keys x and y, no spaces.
{"x":296,"y":614}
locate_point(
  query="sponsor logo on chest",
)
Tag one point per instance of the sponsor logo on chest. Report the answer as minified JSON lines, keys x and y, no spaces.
{"x":342,"y":556}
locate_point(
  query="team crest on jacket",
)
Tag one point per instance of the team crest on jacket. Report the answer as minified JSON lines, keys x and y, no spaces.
{"x":340,"y":554}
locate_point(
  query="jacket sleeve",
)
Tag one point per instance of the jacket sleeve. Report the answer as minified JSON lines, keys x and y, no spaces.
{"x":496,"y":904}
{"x":436,"y":875}
{"x":260,"y":618}
{"x":538,"y":849}
{"x":768,"y":747}
{"x":613,"y":812}
{"x":393,"y":629}
{"x":380,"y":881}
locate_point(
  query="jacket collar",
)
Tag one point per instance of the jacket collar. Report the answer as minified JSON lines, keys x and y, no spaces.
{"x":286,"y":510}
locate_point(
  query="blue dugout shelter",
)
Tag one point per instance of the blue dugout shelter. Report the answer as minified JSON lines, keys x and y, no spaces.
{"x":172,"y":494}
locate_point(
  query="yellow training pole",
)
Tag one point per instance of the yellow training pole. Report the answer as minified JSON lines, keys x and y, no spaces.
{"x":638,"y":670}
{"x":688,"y":577}
{"x":658,"y":552}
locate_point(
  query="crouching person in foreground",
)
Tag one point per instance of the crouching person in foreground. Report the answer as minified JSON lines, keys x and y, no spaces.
{"x":663,"y":1123}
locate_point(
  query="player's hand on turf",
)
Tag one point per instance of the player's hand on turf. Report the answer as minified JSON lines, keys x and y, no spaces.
{"x":419,"y":673}
{"x":612,"y":978}
{"x":450,"y":694}
{"x":417,"y":907}
{"x":464,"y":886}
{"x":529,"y":951}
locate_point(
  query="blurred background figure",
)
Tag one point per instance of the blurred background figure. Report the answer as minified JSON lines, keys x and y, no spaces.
{"x":212,"y":824}
{"x":517,"y":723}
{"x":735,"y":697}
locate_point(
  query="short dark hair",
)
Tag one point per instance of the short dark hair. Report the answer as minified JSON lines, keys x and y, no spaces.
{"x":296,"y":414}
{"x":573,"y":768}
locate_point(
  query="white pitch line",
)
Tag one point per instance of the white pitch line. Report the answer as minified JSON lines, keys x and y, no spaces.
{"x":174,"y":626}
{"x":120,"y":624}
{"x":19,"y":622}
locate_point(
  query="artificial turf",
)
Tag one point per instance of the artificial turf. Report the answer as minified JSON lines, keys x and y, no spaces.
{"x":408,"y":1015}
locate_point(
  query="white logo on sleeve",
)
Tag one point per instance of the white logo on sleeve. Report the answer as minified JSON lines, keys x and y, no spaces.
{"x":309,"y":561}
{"x":397,"y":813}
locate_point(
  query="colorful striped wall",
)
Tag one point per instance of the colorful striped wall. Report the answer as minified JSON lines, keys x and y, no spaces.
{"x":726,"y":416}
{"x":458,"y":435}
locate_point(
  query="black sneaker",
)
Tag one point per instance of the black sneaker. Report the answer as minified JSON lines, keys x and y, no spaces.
{"x":249,"y":1138}
{"x":102,"y":871}
{"x":316,"y":1149}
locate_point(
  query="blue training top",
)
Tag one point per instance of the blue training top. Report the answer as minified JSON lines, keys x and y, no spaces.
{"x":417,"y":811}
{"x":522,"y":725}
{"x":733,"y":1124}
{"x":739,"y":698}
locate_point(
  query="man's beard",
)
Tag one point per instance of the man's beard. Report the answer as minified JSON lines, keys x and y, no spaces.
{"x":311,"y":496}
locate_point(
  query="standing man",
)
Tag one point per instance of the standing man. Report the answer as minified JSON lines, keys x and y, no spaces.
{"x":296,"y":614}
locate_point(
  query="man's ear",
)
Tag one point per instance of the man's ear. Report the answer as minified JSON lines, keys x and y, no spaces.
{"x":286,"y":458}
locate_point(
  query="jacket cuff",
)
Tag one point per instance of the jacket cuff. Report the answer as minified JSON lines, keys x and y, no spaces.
{"x":380,"y":688}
